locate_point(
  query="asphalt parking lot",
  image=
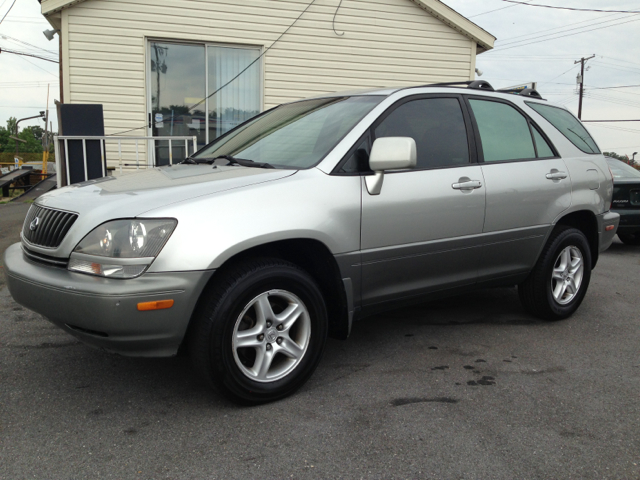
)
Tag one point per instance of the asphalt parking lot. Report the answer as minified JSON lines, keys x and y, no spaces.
{"x":464,"y":388}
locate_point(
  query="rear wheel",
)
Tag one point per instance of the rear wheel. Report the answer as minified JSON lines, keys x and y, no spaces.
{"x":630,"y":238}
{"x":261,"y":331}
{"x":558,"y":283}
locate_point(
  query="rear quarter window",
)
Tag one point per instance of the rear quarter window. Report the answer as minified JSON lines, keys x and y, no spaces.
{"x":568,"y":125}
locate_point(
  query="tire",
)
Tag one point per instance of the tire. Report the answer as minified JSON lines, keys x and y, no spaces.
{"x":558,"y":283}
{"x":630,"y":238}
{"x":243,"y":342}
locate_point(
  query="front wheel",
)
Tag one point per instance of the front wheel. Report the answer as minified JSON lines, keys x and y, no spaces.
{"x":558,"y":283}
{"x":260,"y":332}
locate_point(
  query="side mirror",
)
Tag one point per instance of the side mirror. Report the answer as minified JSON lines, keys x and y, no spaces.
{"x":389,"y":153}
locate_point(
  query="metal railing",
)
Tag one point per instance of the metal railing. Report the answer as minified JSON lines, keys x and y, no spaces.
{"x":57,"y":139}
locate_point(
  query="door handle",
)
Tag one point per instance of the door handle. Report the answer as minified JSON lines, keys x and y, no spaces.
{"x":556,"y":175}
{"x":467,"y":185}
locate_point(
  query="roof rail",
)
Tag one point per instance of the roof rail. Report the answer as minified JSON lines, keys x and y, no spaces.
{"x":481,"y":85}
{"x":474,"y":84}
{"x":531,"y":92}
{"x":524,"y":92}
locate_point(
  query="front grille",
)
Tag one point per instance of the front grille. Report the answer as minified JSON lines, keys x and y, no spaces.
{"x":50,"y":227}
{"x":45,"y":259}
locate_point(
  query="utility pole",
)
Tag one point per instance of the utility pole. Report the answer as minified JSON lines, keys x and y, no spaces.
{"x":581,"y":82}
{"x":45,"y":138}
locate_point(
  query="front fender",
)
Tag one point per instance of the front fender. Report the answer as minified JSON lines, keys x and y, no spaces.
{"x":310,"y":205}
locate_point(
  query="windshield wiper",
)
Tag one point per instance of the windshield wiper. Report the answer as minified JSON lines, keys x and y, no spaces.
{"x":232,"y":161}
{"x":198,"y":161}
{"x":244,"y":162}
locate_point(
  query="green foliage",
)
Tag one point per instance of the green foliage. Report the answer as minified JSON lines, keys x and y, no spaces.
{"x":31,"y":135}
{"x":11,"y":125}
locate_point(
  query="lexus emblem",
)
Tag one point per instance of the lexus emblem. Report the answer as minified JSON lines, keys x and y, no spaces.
{"x":34,"y":224}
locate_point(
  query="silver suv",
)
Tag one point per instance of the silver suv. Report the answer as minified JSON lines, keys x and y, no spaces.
{"x":316,"y":213}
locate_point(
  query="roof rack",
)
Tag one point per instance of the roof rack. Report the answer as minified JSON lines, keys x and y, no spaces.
{"x":524,"y":92}
{"x":474,"y":84}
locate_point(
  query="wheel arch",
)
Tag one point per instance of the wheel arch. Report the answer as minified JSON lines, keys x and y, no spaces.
{"x":312,"y":256}
{"x":586,"y":222}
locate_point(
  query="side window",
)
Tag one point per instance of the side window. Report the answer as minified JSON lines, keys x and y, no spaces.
{"x":543,"y":148}
{"x":437,"y":126}
{"x":504,"y":131}
{"x":568,"y":125}
{"x":358,"y":161}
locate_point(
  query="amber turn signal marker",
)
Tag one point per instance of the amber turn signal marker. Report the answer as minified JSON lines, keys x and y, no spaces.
{"x":608,"y":228}
{"x":159,"y":305}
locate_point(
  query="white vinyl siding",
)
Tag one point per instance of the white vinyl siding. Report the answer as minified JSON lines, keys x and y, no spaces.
{"x":385,"y":43}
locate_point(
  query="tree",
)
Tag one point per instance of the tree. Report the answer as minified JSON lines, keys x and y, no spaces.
{"x":4,"y":138}
{"x":31,"y":135}
{"x":11,"y":125}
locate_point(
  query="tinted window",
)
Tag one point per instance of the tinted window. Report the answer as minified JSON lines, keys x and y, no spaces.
{"x":568,"y":125}
{"x":621,"y":169}
{"x":504,"y":131}
{"x":437,"y":126}
{"x":544,"y":149}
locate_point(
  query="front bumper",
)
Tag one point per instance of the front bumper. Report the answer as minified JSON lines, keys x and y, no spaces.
{"x":605,"y":220}
{"x":103,"y":312}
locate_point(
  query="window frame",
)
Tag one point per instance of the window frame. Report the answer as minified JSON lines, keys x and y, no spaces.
{"x":530,"y":123}
{"x":473,"y":160}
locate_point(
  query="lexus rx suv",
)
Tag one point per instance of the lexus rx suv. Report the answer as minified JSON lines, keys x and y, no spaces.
{"x":313,"y":214}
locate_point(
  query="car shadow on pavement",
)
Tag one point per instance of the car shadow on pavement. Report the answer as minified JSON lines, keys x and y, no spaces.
{"x":56,"y":362}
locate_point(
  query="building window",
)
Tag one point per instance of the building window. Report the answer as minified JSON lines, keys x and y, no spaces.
{"x":193,"y":92}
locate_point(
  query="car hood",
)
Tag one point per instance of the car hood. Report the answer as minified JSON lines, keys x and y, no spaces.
{"x":133,"y":194}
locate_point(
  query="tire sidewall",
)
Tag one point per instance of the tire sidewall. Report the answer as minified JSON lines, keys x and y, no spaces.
{"x":567,"y":238}
{"x":223,"y":365}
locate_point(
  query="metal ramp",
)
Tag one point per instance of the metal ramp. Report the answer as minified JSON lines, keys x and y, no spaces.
{"x":7,"y":179}
{"x":34,"y":192}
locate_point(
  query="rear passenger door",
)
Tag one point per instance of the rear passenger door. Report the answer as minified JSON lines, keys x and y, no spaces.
{"x":527,"y":186}
{"x":418,"y":233}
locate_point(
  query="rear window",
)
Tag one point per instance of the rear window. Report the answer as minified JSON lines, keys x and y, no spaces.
{"x":568,"y":125}
{"x":621,"y":169}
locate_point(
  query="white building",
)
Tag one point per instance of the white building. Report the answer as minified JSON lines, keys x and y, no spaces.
{"x":152,"y":63}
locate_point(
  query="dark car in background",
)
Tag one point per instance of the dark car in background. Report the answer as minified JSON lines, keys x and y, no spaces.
{"x":626,"y":200}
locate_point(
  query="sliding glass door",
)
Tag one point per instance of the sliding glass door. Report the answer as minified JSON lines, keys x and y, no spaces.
{"x":202,"y":90}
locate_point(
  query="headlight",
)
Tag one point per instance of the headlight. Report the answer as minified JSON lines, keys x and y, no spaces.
{"x":129,"y":246}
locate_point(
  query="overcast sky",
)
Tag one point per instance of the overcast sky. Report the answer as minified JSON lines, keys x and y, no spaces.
{"x":533,"y":44}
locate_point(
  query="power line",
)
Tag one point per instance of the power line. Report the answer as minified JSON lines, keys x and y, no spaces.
{"x":620,"y":86}
{"x":490,"y":11}
{"x":46,"y":71}
{"x":619,"y":129}
{"x":564,"y":73}
{"x":4,"y":50}
{"x":569,"y":30}
{"x":10,"y":38}
{"x":571,"y":8}
{"x":563,"y":28}
{"x":562,"y":36}
{"x":5,"y":15}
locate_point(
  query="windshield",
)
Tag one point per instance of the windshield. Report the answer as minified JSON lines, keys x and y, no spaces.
{"x":621,"y":169}
{"x":296,"y":135}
